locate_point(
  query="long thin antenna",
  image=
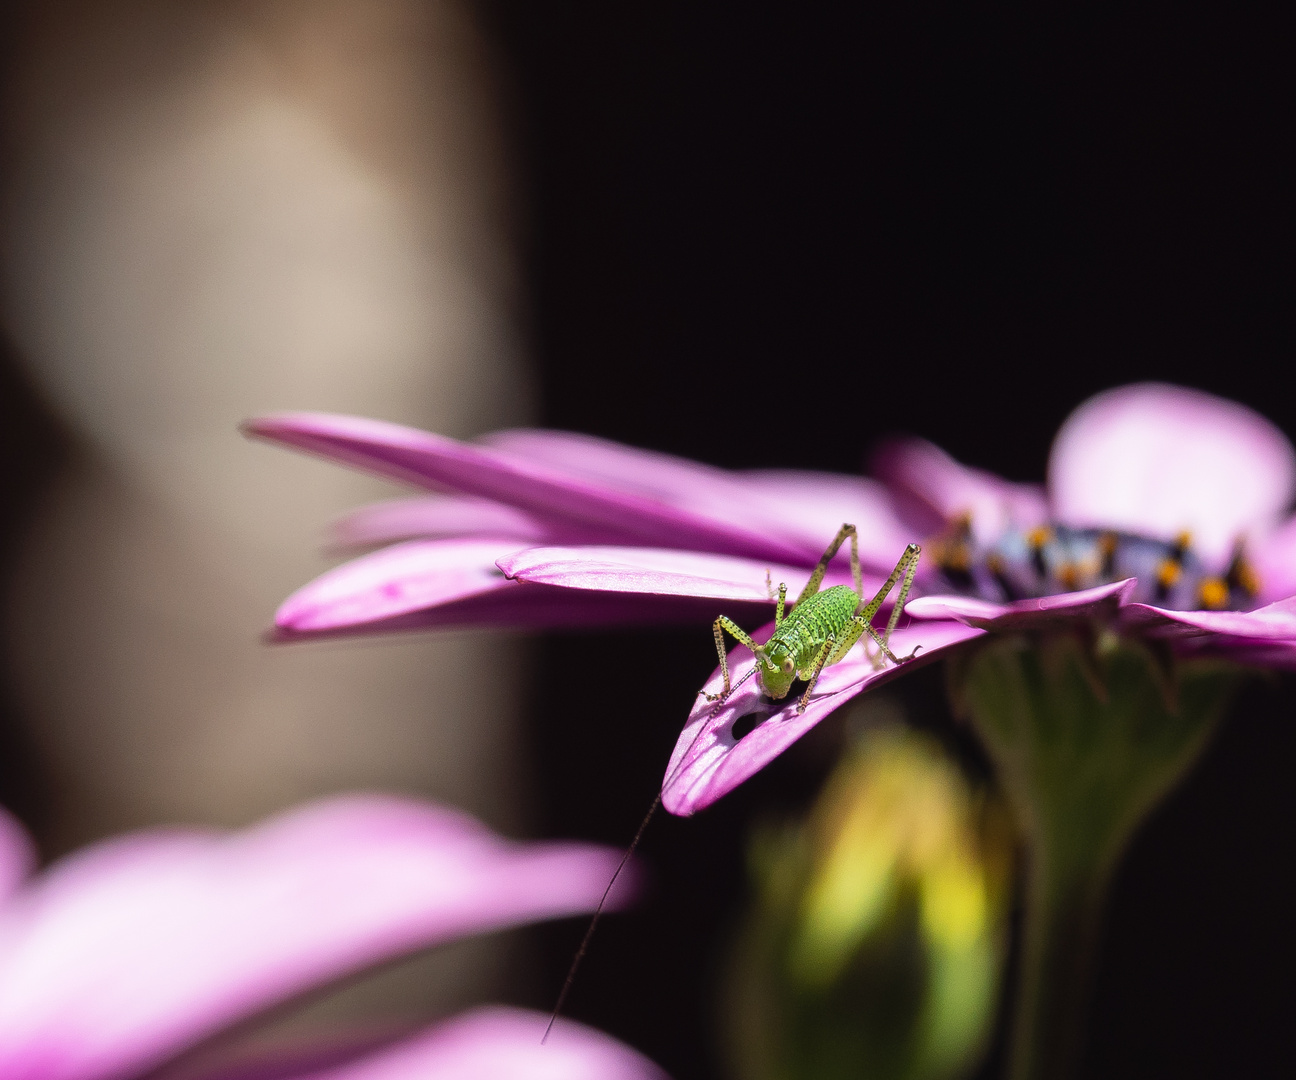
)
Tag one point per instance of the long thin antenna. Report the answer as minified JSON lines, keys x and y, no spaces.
{"x":643,"y":825}
{"x":580,"y":953}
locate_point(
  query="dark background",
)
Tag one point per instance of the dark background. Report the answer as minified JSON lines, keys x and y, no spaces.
{"x":766,"y":235}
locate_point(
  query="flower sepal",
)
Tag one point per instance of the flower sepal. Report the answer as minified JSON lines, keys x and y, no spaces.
{"x":1087,"y":734}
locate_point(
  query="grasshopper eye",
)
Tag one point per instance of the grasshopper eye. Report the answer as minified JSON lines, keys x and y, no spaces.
{"x":789,"y":665}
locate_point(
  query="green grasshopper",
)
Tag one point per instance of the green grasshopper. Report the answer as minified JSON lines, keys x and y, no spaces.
{"x":821,"y":627}
{"x":820,"y":630}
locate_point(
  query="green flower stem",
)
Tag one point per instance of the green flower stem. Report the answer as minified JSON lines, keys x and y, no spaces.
{"x":1086,"y":738}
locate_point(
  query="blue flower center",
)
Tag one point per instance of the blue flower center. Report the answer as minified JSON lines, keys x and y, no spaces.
{"x":1054,"y":559}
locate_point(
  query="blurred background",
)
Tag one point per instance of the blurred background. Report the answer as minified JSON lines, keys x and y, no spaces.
{"x":757,"y":236}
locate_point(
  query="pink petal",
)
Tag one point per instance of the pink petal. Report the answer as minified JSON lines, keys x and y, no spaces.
{"x":17,"y":854}
{"x":1159,"y":460}
{"x":698,"y":516}
{"x":1273,"y":556}
{"x":925,"y":472}
{"x":500,"y":1043}
{"x":709,"y":762}
{"x":648,"y":472}
{"x":804,"y":508}
{"x":423,"y":584}
{"x":660,"y":571}
{"x":1100,"y":603}
{"x":809,"y":507}
{"x":1275,"y":622}
{"x":125,"y":953}
{"x":529,"y":606}
{"x":398,"y":580}
{"x":440,"y":516}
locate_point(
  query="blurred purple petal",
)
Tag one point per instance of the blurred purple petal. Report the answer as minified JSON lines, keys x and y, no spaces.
{"x":648,"y":472}
{"x":1037,"y":613}
{"x":705,"y":516}
{"x":17,"y":854}
{"x":809,"y":507}
{"x":1273,"y":557}
{"x":708,"y":761}
{"x":1276,"y":621}
{"x":440,"y":516}
{"x":803,"y":508}
{"x":501,"y":1044}
{"x":663,"y":572}
{"x":950,"y":490}
{"x":1159,"y":460}
{"x":125,"y":953}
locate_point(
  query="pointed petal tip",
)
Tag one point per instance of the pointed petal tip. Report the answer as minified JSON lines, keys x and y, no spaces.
{"x":711,"y":758}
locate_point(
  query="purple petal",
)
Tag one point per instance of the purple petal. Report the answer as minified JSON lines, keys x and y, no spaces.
{"x":709,"y":762}
{"x":1273,"y":557}
{"x":395,"y":581}
{"x":125,"y":953}
{"x":700,"y":516}
{"x":424,"y":584}
{"x":926,"y":473}
{"x":648,"y":472}
{"x":1100,"y":603}
{"x":662,"y":572}
{"x":809,"y":508}
{"x":1275,"y":622}
{"x":500,"y":1043}
{"x":802,"y":508}
{"x":527,"y":606}
{"x":439,"y":516}
{"x":753,"y":500}
{"x":17,"y":854}
{"x":1160,"y":460}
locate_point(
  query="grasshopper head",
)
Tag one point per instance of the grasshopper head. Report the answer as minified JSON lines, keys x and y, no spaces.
{"x":777,"y":667}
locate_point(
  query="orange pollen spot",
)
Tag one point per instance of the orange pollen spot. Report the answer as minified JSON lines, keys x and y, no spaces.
{"x":953,"y":556}
{"x":1039,"y":536}
{"x":1184,"y":540}
{"x":1107,"y":544}
{"x":1069,"y":575}
{"x":1213,"y":593}
{"x":1168,"y":573}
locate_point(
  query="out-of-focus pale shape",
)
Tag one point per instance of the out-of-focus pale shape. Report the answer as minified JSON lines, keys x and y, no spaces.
{"x":874,"y":946}
{"x":215,"y":210}
{"x":1160,"y":460}
{"x":211,"y":211}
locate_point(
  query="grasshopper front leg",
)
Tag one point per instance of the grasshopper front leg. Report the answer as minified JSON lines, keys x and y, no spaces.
{"x":722,"y":624}
{"x":828,"y":648}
